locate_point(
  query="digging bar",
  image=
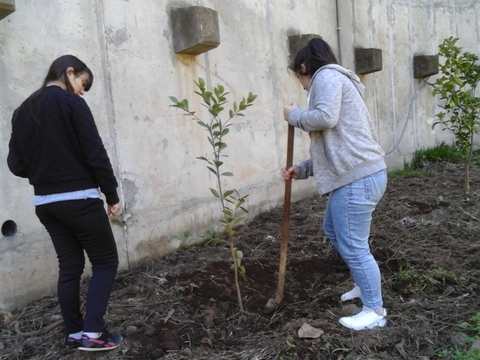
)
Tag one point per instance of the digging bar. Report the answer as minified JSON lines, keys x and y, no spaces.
{"x":274,"y":303}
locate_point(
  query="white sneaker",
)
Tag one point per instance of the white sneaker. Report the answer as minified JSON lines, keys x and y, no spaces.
{"x":365,"y":319}
{"x":352,"y":294}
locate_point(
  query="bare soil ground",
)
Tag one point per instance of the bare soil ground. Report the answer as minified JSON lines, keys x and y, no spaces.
{"x":424,"y":237}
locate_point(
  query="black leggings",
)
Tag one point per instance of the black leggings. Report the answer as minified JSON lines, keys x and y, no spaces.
{"x":76,"y":226}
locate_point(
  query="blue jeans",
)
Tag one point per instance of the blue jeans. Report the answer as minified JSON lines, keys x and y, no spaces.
{"x":347,"y":224}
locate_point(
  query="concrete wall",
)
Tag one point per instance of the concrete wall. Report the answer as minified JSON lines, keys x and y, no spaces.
{"x":164,"y":188}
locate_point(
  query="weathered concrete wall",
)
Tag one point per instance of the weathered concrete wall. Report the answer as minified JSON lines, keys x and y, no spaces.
{"x":403,"y":29}
{"x":164,"y":188}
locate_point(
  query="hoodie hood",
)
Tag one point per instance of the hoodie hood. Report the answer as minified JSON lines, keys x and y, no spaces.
{"x":347,"y":72}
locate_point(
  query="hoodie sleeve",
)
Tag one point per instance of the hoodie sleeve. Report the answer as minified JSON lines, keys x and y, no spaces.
{"x":324,"y":104}
{"x":305,"y":169}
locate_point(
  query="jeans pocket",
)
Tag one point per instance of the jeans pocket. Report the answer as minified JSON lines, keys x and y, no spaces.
{"x":375,"y":186}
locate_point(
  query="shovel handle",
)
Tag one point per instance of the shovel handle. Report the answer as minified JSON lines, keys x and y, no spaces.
{"x":291,"y":137}
{"x":286,"y":216}
{"x":275,"y":302}
{"x":288,"y":183}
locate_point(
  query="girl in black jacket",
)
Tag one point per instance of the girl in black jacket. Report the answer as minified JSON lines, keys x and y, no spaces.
{"x":56,"y":145}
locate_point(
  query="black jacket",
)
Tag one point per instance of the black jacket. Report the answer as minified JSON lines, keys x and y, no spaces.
{"x":56,"y":145}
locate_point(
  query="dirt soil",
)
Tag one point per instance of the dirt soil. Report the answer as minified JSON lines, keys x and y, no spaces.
{"x":184,"y":306}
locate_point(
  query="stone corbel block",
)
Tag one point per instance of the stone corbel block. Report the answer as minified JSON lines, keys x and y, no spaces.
{"x":296,"y":42}
{"x":6,"y":8}
{"x":425,"y":66}
{"x":367,"y":60}
{"x":195,"y":30}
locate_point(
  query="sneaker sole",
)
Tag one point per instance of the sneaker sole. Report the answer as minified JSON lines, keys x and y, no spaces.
{"x":380,"y":323}
{"x":98,"y":349}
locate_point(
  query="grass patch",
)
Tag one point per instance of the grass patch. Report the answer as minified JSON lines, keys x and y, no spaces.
{"x":440,"y":153}
{"x":405,"y":173}
{"x":432,"y":280}
{"x":473,"y":333}
{"x":437,"y":154}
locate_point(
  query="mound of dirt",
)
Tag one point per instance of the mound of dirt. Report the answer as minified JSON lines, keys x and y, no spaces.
{"x":184,"y":306}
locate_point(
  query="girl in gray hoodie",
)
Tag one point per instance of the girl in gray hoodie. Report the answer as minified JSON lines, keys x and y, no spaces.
{"x":348,"y":164}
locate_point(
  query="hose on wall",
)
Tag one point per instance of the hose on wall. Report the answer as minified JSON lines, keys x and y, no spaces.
{"x":409,"y":113}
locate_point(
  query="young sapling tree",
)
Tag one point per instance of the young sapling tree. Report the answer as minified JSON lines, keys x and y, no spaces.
{"x":460,"y":105}
{"x":230,"y":200}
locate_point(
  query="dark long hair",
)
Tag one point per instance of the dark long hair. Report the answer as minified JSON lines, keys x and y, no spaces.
{"x":57,"y":72}
{"x":314,"y":55}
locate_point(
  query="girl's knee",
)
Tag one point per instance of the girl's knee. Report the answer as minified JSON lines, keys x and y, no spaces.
{"x":74,"y":271}
{"x":108,"y":260}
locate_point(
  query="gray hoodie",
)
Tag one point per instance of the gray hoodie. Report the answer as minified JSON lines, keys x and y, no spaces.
{"x":343,"y":139}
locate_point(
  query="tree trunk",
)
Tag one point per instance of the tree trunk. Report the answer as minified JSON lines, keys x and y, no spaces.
{"x":466,"y":187}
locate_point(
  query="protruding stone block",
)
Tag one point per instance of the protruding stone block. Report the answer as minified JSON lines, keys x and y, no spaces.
{"x":425,"y":65}
{"x":367,"y":60}
{"x":296,"y":42}
{"x":6,"y":8}
{"x":195,"y":30}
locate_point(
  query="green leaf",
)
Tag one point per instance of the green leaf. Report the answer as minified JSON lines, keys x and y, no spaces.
{"x":203,"y":158}
{"x":458,"y":81}
{"x":214,"y":192}
{"x":227,"y":173}
{"x":200,"y":84}
{"x":212,"y":170}
{"x":227,"y":193}
{"x":239,"y":254}
{"x":237,"y":220}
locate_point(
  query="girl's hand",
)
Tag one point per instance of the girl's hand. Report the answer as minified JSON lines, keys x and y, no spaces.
{"x":113,"y":210}
{"x":287,"y":110}
{"x":290,"y":173}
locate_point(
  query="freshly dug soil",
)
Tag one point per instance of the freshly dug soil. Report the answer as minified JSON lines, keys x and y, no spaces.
{"x":184,"y":306}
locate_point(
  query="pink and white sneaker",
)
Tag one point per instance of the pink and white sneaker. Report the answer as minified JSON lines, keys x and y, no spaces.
{"x":104,"y":342}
